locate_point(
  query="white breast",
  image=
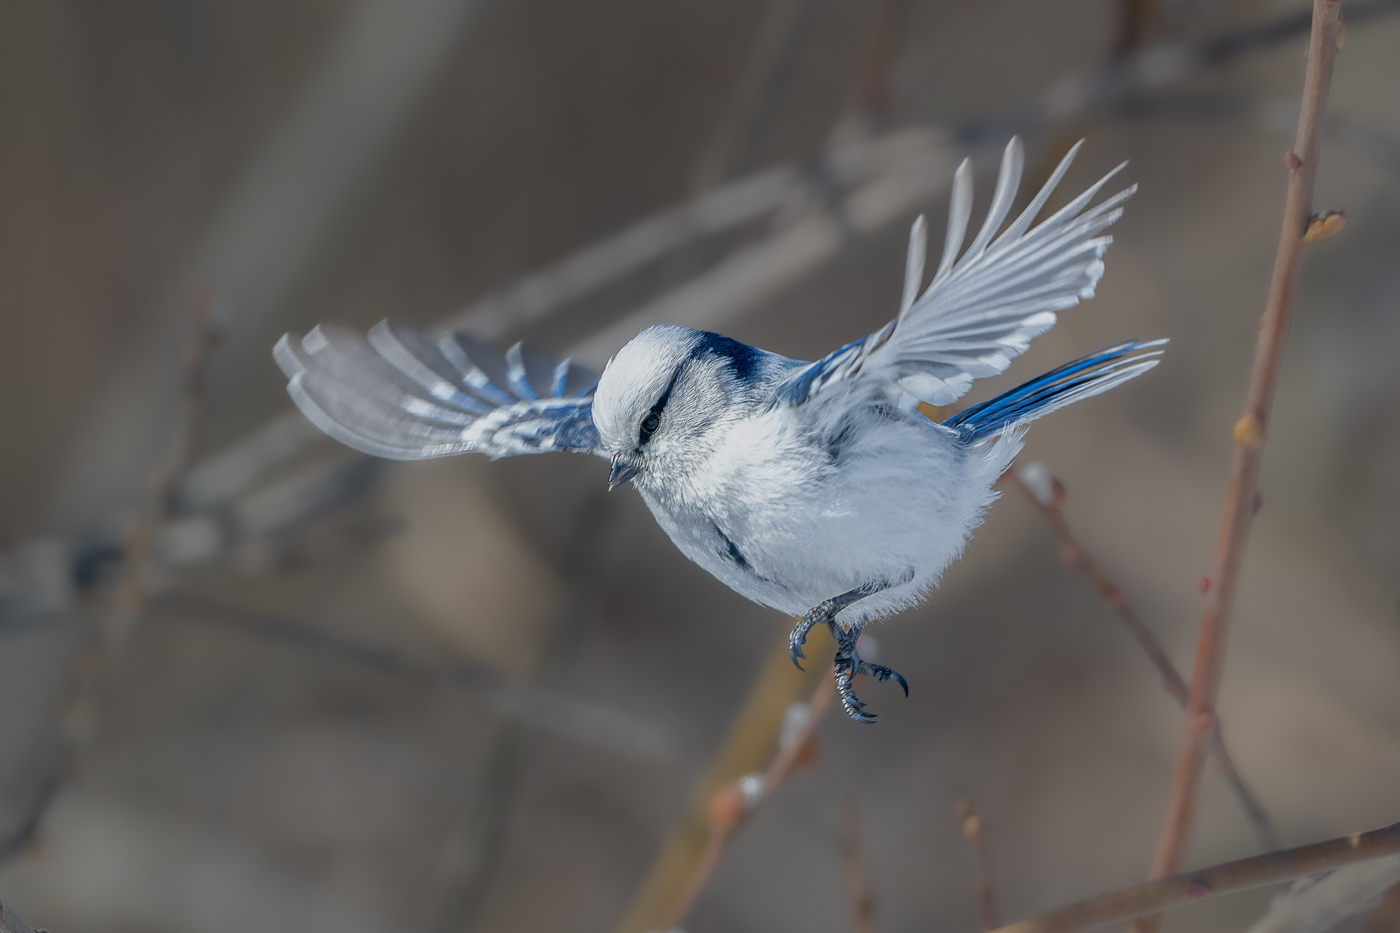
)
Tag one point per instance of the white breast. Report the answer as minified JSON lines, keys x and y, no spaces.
{"x":776,"y":517}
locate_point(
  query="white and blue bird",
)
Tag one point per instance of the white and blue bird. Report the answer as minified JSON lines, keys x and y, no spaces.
{"x":817,"y":489}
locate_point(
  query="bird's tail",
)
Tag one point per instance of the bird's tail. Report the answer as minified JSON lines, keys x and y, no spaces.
{"x":1071,"y":382}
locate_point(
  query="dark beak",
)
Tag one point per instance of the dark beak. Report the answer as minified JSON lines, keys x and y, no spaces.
{"x":623,"y":469}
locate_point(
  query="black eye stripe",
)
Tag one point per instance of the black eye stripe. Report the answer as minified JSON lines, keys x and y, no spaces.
{"x":658,"y":408}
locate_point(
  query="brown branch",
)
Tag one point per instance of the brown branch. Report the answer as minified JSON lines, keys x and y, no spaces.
{"x":1051,"y":507}
{"x":862,"y":901}
{"x":1250,"y":436}
{"x":1320,"y":905}
{"x":1386,"y":917}
{"x":1254,"y":872}
{"x":975,"y":831}
{"x":735,"y":804}
{"x":9,"y":923}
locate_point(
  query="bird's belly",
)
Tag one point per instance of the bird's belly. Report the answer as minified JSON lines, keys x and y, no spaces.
{"x":897,"y":512}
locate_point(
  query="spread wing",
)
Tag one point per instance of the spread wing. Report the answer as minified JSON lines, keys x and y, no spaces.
{"x":404,"y":396}
{"x":981,"y":310}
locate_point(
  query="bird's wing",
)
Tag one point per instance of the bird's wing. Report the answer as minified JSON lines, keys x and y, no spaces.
{"x":981,"y":310}
{"x":404,"y":396}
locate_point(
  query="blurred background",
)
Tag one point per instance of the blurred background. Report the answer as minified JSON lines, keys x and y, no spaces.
{"x":248,"y":676}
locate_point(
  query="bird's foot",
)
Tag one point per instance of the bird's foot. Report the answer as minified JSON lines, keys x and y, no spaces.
{"x":825,"y":614}
{"x":883,"y":674}
{"x":849,"y":702}
{"x":799,"y":637}
{"x":846,"y":669}
{"x":848,"y":662}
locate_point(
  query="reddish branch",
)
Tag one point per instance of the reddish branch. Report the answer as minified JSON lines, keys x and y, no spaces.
{"x":975,"y":832}
{"x":1250,"y":436}
{"x":733,"y":806}
{"x":1386,"y":917}
{"x":1074,"y":556}
{"x":1240,"y":875}
{"x":857,"y":887}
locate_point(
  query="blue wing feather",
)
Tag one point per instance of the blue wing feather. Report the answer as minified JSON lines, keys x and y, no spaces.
{"x":1082,"y":378}
{"x":403,"y":396}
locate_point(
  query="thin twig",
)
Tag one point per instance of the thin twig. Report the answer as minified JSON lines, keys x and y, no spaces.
{"x":975,"y":831}
{"x":853,"y":866}
{"x":18,"y":840}
{"x":572,"y":718}
{"x":1254,"y":872}
{"x":734,"y":805}
{"x":1250,"y":436}
{"x":1075,"y":556}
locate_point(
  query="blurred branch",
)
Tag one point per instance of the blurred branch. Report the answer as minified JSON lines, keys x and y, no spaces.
{"x":1321,"y":905}
{"x":853,"y":866}
{"x":1243,"y":874}
{"x":583,"y":569}
{"x":758,"y":101}
{"x":1386,"y":917}
{"x":10,"y":923}
{"x":1250,"y":435}
{"x":734,"y":806}
{"x":1047,"y":494}
{"x":726,"y":803}
{"x":894,"y":172}
{"x":17,"y":840}
{"x":194,"y":369}
{"x":873,"y":89}
{"x":975,"y":832}
{"x":272,"y":223}
{"x":580,"y":721}
{"x":1109,"y":84}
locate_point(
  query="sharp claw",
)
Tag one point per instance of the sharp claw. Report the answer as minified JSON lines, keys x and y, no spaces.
{"x":795,"y":656}
{"x":902,"y":682}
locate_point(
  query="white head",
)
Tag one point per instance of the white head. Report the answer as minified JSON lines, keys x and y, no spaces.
{"x":661,"y":400}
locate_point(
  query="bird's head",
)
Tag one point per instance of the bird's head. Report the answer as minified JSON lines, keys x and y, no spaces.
{"x":660,"y":399}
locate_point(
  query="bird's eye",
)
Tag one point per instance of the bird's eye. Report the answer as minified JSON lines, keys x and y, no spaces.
{"x":649,"y":424}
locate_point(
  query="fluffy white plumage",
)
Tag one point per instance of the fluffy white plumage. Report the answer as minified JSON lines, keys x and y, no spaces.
{"x":813,"y":488}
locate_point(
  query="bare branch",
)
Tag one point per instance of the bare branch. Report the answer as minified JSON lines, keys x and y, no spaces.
{"x":19,"y":839}
{"x":1243,"y":874}
{"x":862,"y":901}
{"x":975,"y":831}
{"x":734,"y":805}
{"x":1250,"y":436}
{"x":1386,"y":917}
{"x":1321,"y":905}
{"x":1049,"y":501}
{"x":573,"y":718}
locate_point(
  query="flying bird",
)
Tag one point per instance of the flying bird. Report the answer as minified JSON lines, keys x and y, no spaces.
{"x":814,"y":488}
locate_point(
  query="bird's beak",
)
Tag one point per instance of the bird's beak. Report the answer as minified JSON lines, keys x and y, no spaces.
{"x":623,"y":469}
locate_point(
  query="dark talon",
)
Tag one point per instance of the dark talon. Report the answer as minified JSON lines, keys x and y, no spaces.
{"x":847,"y":662}
{"x":883,"y":674}
{"x":796,"y":639}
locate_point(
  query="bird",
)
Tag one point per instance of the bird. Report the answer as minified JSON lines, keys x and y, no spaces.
{"x":815,"y":488}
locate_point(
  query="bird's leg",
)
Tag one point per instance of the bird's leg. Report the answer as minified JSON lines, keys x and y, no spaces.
{"x":848,"y":662}
{"x":825,"y":614}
